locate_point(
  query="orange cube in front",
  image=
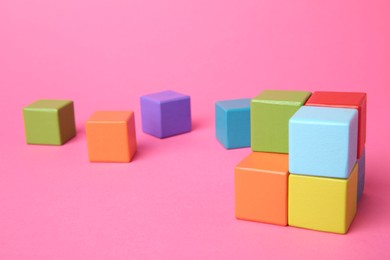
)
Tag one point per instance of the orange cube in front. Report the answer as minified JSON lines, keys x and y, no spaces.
{"x":111,"y":136}
{"x":261,"y":183}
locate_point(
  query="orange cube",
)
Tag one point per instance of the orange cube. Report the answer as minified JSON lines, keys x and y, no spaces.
{"x":111,"y":136}
{"x":261,"y":183}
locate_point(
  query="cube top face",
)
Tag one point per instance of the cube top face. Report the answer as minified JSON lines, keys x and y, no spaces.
{"x":243,"y":103}
{"x":165,"y":96}
{"x":110,"y":116}
{"x":323,"y":141}
{"x":261,"y":184}
{"x":48,"y":104}
{"x":322,"y":115}
{"x":323,"y":204}
{"x":338,"y":99}
{"x":265,"y":162}
{"x":283,"y":97}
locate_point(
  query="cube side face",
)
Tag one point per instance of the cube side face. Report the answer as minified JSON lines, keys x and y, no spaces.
{"x":322,"y":204}
{"x":361,"y":174}
{"x":131,"y":135}
{"x":151,"y":117}
{"x":261,"y":196}
{"x":175,"y":117}
{"x":238,"y":122}
{"x":108,"y":141}
{"x":221,"y":125}
{"x":322,"y":148}
{"x":42,"y":126}
{"x":353,"y":142}
{"x":67,"y":122}
{"x":269,"y":126}
{"x":352,"y":188}
{"x":362,"y":128}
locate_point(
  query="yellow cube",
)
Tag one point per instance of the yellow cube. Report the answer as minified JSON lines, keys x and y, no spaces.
{"x":324,"y":204}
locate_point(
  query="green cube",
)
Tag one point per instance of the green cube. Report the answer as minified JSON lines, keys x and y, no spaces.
{"x":270,"y":113}
{"x":49,"y":122}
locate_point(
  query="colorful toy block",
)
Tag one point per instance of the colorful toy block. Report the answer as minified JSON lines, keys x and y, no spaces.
{"x":232,"y":122}
{"x":323,"y":141}
{"x":323,"y":204}
{"x":345,"y":100}
{"x":165,"y":114}
{"x":270,"y":112}
{"x":261,"y":181}
{"x":49,"y":122}
{"x":361,"y":174}
{"x":111,"y":136}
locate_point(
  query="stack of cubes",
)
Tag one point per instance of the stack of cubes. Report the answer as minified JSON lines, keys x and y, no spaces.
{"x":307,"y":163}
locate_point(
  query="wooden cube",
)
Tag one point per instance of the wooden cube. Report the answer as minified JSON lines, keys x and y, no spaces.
{"x":260,"y":182}
{"x":49,"y":122}
{"x":165,"y":114}
{"x":323,"y":141}
{"x":270,"y":112}
{"x":232,"y":122}
{"x":323,"y":204}
{"x":111,"y":136}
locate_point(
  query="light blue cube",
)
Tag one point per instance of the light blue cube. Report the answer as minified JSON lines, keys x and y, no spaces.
{"x":361,"y":174}
{"x":323,"y":141}
{"x":232,"y":123}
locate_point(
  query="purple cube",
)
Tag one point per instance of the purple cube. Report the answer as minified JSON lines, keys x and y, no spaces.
{"x":165,"y":114}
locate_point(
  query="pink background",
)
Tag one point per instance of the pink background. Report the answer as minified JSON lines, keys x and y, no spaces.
{"x":175,"y":200}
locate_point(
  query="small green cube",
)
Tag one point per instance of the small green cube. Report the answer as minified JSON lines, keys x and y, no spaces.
{"x":49,"y":122}
{"x":270,"y":113}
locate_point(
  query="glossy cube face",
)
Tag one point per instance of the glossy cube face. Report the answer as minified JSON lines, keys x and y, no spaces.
{"x":261,"y":181}
{"x":361,"y":174}
{"x":232,"y":122}
{"x":111,"y":136}
{"x":49,"y":122}
{"x":270,"y":112}
{"x":323,"y":204}
{"x":166,"y":114}
{"x":353,"y":100}
{"x":323,"y":141}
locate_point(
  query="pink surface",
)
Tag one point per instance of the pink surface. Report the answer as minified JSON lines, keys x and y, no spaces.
{"x":175,"y":200}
